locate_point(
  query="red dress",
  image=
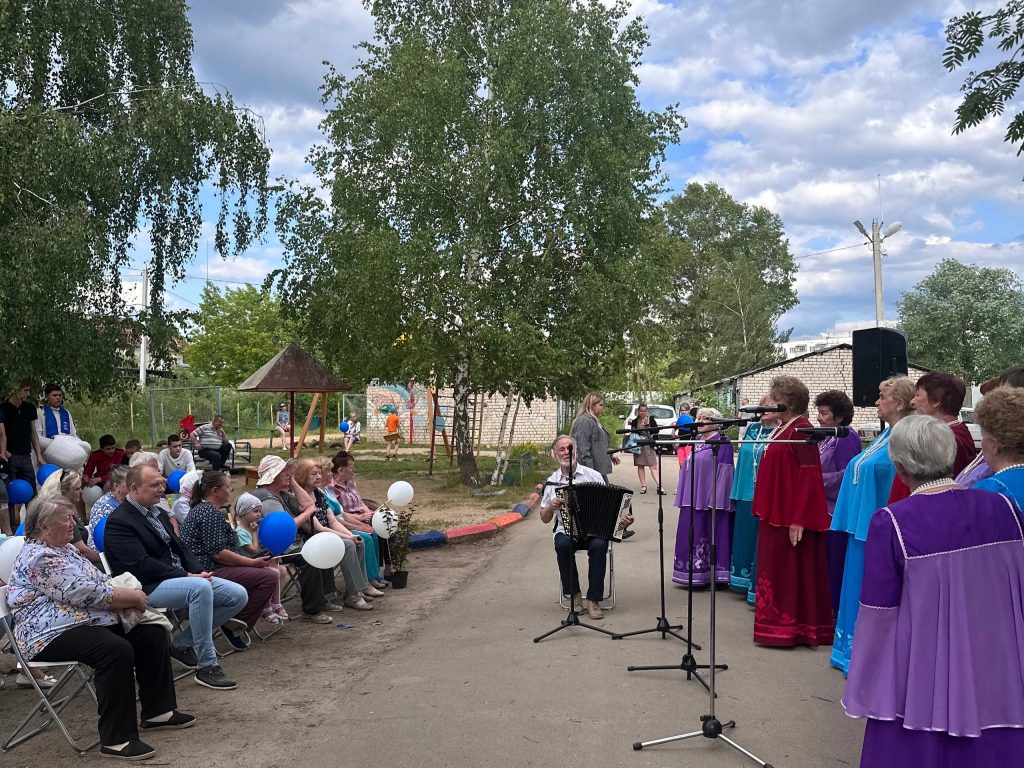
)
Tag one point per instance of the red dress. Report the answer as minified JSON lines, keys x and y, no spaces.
{"x":965,"y":453}
{"x":793,"y":605}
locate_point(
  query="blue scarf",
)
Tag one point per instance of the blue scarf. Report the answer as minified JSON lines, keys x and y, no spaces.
{"x":51,"y":421}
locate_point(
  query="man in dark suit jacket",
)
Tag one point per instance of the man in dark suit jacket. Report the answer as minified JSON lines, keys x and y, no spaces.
{"x":139,"y":539}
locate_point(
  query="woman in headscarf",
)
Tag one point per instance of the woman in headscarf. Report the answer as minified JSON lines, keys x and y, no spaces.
{"x":865,"y":488}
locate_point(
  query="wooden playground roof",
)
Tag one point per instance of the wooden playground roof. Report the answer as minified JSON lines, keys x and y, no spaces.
{"x":293,"y":370}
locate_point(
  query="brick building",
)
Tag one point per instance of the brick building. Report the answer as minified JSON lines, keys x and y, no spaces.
{"x":829,"y":368}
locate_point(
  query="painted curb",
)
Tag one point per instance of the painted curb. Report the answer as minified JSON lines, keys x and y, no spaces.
{"x":504,"y":521}
{"x":428,"y":540}
{"x":470,"y":532}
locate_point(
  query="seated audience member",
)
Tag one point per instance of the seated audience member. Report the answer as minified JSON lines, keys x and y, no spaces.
{"x":936,"y":659}
{"x":68,"y":484}
{"x":213,"y":442}
{"x":98,"y":467}
{"x":354,"y":428}
{"x":64,"y":609}
{"x":248,"y":513}
{"x":175,"y":457}
{"x":130,"y":449}
{"x":54,"y":422}
{"x":116,"y":491}
{"x":139,"y":539}
{"x":353,"y":563}
{"x":150,"y":459}
{"x":209,"y":536}
{"x":181,"y":506}
{"x":282,"y":424}
{"x":278,"y":492}
{"x":344,"y":500}
{"x":564,"y":452}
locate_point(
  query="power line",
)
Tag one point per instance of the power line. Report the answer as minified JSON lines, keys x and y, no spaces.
{"x":830,"y":250}
{"x":204,"y":279}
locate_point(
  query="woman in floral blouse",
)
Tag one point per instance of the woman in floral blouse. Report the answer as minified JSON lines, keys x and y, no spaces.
{"x":64,"y":609}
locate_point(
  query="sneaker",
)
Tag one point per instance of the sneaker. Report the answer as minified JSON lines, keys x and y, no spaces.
{"x":214,"y":677}
{"x":334,"y":607}
{"x":236,"y":624}
{"x":358,"y":604}
{"x":317,"y":618}
{"x":594,"y":610}
{"x":176,"y":721}
{"x":185,"y":656}
{"x":281,"y":612}
{"x":45,"y":682}
{"x":136,"y":750}
{"x":577,"y":603}
{"x":365,"y":597}
{"x":236,"y":641}
{"x":270,"y":616}
{"x":372,"y":591}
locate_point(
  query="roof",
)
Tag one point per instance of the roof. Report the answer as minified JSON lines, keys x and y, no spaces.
{"x":293,"y":370}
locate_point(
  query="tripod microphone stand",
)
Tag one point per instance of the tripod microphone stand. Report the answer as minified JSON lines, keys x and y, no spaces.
{"x":662,"y":624}
{"x":573,"y":618}
{"x":711,"y":726}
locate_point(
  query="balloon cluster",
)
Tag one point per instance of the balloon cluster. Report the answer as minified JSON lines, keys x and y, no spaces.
{"x":385,"y":519}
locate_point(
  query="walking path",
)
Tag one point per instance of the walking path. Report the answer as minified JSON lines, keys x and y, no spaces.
{"x":472,"y":689}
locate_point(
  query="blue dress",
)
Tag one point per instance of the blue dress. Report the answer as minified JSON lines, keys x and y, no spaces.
{"x":744,"y":536}
{"x":865,"y":489}
{"x":1009,"y":482}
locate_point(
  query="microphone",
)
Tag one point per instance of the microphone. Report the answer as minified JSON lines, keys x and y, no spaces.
{"x":777,"y":408}
{"x":820,"y":433}
{"x":728,"y":422}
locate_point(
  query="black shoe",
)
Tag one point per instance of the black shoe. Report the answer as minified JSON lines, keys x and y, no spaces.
{"x":177,"y":721}
{"x":136,"y":750}
{"x":238,"y":643}
{"x":628,"y":534}
{"x":214,"y":677}
{"x":185,"y":656}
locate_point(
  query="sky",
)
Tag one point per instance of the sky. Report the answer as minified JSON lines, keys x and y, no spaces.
{"x":824,"y":112}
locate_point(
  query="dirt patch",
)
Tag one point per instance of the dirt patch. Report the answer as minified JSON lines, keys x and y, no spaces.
{"x":288,"y":686}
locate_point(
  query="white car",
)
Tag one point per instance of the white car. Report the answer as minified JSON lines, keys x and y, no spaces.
{"x":967,"y":416}
{"x":664,"y":416}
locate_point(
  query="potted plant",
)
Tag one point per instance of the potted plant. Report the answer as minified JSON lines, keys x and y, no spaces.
{"x":400,"y":544}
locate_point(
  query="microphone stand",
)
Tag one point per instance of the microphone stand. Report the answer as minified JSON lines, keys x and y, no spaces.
{"x":573,"y":618}
{"x":662,"y":624}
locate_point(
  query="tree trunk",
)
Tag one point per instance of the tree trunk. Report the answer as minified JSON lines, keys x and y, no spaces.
{"x":501,"y":457}
{"x":460,"y":426}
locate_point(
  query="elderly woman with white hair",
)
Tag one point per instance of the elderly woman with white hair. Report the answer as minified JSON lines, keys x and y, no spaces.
{"x":704,"y":481}
{"x":68,"y":484}
{"x":941,"y":624}
{"x":116,"y":492}
{"x":64,"y":609}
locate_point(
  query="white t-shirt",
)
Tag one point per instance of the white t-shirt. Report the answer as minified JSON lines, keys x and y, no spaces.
{"x":556,"y":478}
{"x":169,"y":464}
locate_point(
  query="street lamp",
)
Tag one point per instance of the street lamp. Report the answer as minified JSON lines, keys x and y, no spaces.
{"x":876,"y":238}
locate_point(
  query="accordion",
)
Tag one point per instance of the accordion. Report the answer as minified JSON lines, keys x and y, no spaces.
{"x":593,"y":509}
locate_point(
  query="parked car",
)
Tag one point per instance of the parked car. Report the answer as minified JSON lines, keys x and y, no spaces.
{"x":664,"y":416}
{"x":967,"y":416}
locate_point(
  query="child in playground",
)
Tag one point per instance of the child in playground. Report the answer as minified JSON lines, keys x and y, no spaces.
{"x":391,"y":435}
{"x":354,"y":427}
{"x":248,"y":512}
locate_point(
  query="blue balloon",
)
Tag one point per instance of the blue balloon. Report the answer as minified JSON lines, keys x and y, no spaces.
{"x":20,"y":531}
{"x":277,"y":532}
{"x":174,"y":480}
{"x":343,"y":427}
{"x":20,"y":491}
{"x":97,"y":534}
{"x":45,"y":471}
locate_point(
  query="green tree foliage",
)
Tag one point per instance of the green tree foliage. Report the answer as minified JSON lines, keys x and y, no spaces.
{"x":988,"y":92}
{"x":489,"y":170}
{"x":105,"y":131}
{"x":238,"y":331}
{"x":965,"y":319}
{"x":732,"y":279}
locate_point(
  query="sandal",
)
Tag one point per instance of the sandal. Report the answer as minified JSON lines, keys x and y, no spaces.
{"x":643,"y":489}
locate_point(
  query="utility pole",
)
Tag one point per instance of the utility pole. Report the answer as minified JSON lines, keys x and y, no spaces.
{"x":875,"y":239}
{"x":144,"y":342}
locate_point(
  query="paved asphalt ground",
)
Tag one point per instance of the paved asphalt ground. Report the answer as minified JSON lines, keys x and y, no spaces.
{"x":472,"y":689}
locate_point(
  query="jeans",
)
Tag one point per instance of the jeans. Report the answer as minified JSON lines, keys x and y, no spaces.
{"x":353,"y":567}
{"x":210,"y":603}
{"x":597,"y":552}
{"x":217,"y":457}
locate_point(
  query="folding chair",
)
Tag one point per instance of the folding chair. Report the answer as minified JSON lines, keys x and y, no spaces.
{"x":52,"y":701}
{"x":608,"y":601}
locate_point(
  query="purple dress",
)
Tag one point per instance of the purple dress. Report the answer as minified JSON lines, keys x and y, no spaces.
{"x":836,"y":453}
{"x":703,"y":457}
{"x":938,"y":660}
{"x":974,"y":472}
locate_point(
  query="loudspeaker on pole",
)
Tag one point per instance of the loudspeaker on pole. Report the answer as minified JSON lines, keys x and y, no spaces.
{"x":878,"y":353}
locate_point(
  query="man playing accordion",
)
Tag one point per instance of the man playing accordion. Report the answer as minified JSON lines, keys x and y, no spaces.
{"x":564,"y":451}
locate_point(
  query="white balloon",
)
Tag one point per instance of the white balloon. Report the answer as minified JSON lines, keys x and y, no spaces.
{"x":67,"y":452}
{"x":400,"y":493}
{"x":9,"y":551}
{"x":323,"y":550}
{"x":385,"y":522}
